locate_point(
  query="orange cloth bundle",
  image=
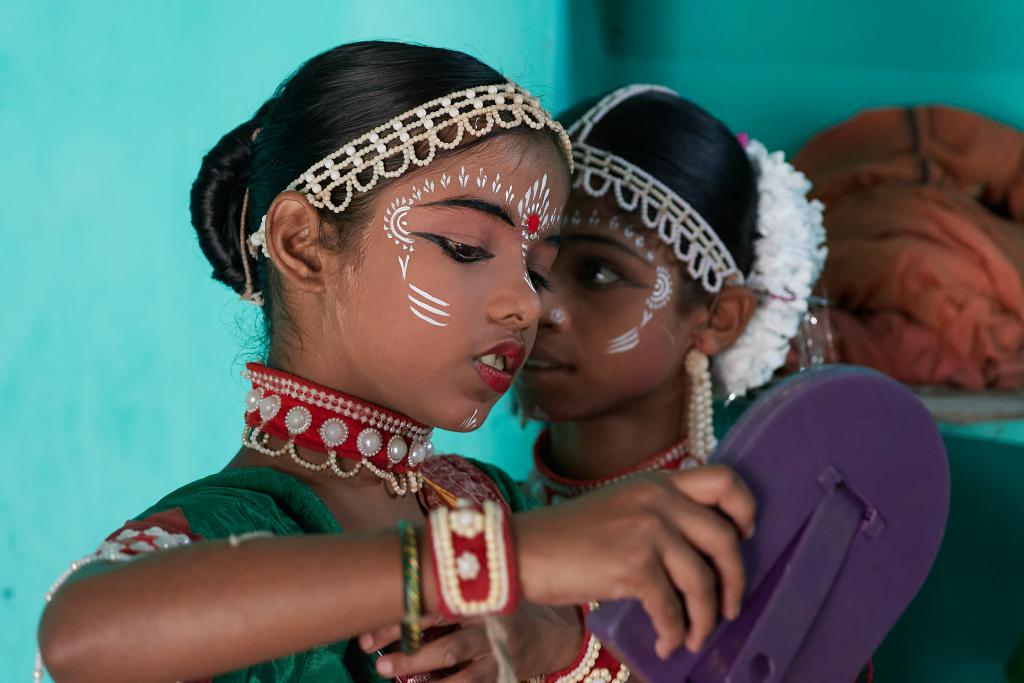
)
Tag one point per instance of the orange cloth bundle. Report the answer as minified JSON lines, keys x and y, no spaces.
{"x":925,"y":215}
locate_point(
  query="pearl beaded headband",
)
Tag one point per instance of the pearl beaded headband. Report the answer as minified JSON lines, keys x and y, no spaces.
{"x":475,"y":111}
{"x":678,"y":224}
{"x":400,"y":135}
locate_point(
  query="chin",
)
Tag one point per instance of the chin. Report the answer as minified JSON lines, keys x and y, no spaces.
{"x":467,"y":416}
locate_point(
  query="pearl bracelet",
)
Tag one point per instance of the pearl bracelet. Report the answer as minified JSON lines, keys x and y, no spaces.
{"x":474,"y":565}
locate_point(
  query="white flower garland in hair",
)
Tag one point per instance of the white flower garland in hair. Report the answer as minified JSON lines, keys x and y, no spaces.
{"x":789,"y":254}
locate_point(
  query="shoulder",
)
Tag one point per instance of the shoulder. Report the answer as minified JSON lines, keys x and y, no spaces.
{"x":245,"y":500}
{"x":471,"y":479}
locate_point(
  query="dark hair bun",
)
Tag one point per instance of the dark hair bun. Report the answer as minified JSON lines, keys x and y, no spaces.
{"x":216,"y":204}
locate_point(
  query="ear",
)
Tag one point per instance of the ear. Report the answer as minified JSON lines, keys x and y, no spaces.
{"x":733,"y":307}
{"x":293,"y":230}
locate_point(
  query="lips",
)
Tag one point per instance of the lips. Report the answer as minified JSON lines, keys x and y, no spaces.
{"x":541,"y":361}
{"x":498,"y":365}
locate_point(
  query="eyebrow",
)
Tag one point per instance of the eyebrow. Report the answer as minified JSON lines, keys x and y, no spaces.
{"x":481,"y":205}
{"x":600,"y":239}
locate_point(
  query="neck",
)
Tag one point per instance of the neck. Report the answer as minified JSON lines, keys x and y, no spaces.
{"x":610,"y":443}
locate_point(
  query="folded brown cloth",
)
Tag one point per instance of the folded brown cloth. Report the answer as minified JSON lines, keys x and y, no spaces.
{"x":925,"y":217}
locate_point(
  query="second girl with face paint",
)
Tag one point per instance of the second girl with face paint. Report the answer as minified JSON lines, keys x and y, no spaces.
{"x":685,"y":249}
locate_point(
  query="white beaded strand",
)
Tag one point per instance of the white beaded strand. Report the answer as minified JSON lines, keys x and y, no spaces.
{"x":699,"y":416}
{"x":677,"y":452}
{"x":678,"y":224}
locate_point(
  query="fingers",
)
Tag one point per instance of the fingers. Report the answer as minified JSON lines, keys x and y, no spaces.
{"x":693,"y":577}
{"x":389,"y":635}
{"x":483,"y":670}
{"x":662,"y":604}
{"x":381,"y":638}
{"x":719,"y":486}
{"x":466,"y":644}
{"x":716,"y":539}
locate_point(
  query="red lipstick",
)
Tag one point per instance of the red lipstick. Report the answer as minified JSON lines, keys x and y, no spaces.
{"x":512,"y":354}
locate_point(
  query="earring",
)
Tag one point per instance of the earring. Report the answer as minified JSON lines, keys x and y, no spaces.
{"x":699,"y":418}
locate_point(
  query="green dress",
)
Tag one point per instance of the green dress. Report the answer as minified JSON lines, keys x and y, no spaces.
{"x":245,"y":500}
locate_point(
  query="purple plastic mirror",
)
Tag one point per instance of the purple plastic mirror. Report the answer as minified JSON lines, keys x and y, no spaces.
{"x":852,"y":483}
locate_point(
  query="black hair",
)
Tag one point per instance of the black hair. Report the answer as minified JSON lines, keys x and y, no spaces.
{"x":334,"y":97}
{"x":691,"y":152}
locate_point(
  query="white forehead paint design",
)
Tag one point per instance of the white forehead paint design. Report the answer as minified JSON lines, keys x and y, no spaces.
{"x":533,"y":208}
{"x":526,"y":270}
{"x":396,"y":223}
{"x":534,"y":216}
{"x":662,"y":289}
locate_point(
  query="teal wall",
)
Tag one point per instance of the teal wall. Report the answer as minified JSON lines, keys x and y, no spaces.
{"x":783,"y":69}
{"x":119,"y":361}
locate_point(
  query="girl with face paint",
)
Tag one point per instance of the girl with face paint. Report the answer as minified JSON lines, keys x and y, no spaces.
{"x":394,"y":209}
{"x":683,"y":247}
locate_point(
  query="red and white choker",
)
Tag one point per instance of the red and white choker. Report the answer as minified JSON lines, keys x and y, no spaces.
{"x":305,"y":414}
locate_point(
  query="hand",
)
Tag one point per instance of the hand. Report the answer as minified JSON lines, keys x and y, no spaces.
{"x":650,"y":538}
{"x":541,"y":640}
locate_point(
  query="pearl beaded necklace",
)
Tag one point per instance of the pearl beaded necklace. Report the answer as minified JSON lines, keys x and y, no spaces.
{"x":676,"y":456}
{"x":387,"y":444}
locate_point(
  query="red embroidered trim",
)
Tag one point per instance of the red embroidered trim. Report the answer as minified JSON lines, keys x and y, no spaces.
{"x":161,"y":530}
{"x":461,"y":479}
{"x":387,"y":423}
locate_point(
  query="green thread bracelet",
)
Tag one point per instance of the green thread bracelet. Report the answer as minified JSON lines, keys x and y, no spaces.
{"x":412,"y":600}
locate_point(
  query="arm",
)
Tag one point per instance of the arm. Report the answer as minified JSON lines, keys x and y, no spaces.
{"x":180,"y":614}
{"x":211,"y":607}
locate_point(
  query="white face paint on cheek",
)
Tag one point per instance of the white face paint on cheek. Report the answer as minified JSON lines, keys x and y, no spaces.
{"x":427,"y":307}
{"x":624,"y":342}
{"x":658,"y":299}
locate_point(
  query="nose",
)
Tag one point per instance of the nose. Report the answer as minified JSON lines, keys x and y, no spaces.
{"x":515,"y":305}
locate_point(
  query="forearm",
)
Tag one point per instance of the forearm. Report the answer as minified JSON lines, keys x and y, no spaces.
{"x":211,"y":607}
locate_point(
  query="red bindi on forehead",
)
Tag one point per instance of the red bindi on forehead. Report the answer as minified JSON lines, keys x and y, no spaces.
{"x":532,"y":223}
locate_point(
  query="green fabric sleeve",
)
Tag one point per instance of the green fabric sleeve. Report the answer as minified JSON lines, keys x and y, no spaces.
{"x":238,"y":501}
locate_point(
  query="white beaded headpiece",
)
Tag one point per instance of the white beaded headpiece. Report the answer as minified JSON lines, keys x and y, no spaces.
{"x":455,"y":112}
{"x":789,"y":248}
{"x":678,"y":224}
{"x":442,"y":123}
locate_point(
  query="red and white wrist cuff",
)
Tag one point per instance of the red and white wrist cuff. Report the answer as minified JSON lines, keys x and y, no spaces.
{"x":474,"y":560}
{"x":593,"y":664}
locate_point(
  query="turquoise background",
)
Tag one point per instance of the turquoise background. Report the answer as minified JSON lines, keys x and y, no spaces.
{"x":120,"y":357}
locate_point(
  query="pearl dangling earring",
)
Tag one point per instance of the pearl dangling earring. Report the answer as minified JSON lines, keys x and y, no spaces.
{"x":700,"y":427}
